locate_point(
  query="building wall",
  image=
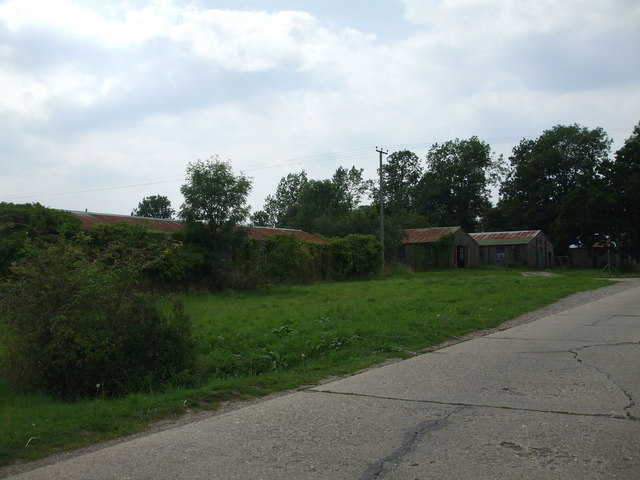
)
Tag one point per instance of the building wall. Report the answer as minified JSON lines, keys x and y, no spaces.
{"x":418,"y":257}
{"x":471,"y":249}
{"x":537,"y":253}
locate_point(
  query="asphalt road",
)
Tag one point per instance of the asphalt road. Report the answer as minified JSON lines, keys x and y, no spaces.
{"x":551,"y":399}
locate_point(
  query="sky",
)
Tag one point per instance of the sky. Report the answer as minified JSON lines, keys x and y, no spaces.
{"x":103,"y":103}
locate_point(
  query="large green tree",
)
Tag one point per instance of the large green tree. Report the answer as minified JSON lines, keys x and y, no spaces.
{"x":154,"y":206}
{"x":280,"y":209}
{"x":544,"y":171}
{"x":351,"y":186}
{"x":214,"y":196}
{"x":320,"y":207}
{"x":215,"y":205}
{"x":401,"y":173}
{"x":455,"y":189}
{"x":624,"y":186}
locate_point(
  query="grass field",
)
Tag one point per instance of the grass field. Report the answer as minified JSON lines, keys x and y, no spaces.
{"x":256,"y":342}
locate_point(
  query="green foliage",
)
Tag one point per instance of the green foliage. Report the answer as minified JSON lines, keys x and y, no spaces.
{"x":285,"y":259}
{"x":401,"y":175}
{"x":624,"y":186}
{"x":351,"y":186}
{"x":455,"y":188}
{"x":290,"y":260}
{"x":355,"y":256}
{"x":261,"y":219}
{"x":215,"y":205}
{"x":434,"y":255}
{"x":30,"y":224}
{"x":155,"y":206}
{"x":128,"y":244}
{"x":252,"y":343}
{"x":281,"y":208}
{"x":161,"y":260}
{"x":544,"y":171}
{"x":76,"y":327}
{"x":319,"y":204}
{"x":214,"y":196}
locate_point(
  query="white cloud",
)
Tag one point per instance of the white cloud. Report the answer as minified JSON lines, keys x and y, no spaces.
{"x":124,"y":93}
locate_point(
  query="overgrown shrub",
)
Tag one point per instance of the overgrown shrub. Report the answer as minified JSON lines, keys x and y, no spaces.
{"x":287,"y":259}
{"x":436,"y":254}
{"x":30,"y":224}
{"x":355,"y":256}
{"x":77,"y":327}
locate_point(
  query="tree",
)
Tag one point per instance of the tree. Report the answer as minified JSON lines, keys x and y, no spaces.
{"x":155,"y":206}
{"x":214,"y":196}
{"x":320,"y":205}
{"x":260,"y":219}
{"x":454,"y":190}
{"x":400,"y":176}
{"x":543,"y":172}
{"x":281,"y":208}
{"x":351,"y":186}
{"x":624,"y":186}
{"x":215,"y":205}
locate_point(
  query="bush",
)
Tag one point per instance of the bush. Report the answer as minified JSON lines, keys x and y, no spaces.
{"x":290,"y":260}
{"x":355,"y":256}
{"x":76,"y":327}
{"x":30,"y":224}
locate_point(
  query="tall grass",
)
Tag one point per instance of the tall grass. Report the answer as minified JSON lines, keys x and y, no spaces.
{"x":255,"y":342}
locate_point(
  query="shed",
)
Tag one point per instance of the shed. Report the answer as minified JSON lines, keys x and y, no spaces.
{"x":423,"y":248}
{"x":530,"y":248}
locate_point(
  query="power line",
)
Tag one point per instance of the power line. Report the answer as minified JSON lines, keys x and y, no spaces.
{"x":302,"y":160}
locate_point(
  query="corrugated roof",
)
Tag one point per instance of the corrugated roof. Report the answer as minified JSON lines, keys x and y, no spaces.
{"x":426,"y":235}
{"x":260,"y":233}
{"x":88,"y":219}
{"x":519,"y":237}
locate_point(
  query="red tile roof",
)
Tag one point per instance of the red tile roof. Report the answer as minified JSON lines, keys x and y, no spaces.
{"x":89,"y":219}
{"x":426,"y":235}
{"x":504,"y":238}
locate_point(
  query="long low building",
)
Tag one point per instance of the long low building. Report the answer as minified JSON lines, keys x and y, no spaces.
{"x":530,"y":248}
{"x":88,"y":219}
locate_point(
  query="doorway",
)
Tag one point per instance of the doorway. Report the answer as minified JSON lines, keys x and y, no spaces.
{"x":460,"y":256}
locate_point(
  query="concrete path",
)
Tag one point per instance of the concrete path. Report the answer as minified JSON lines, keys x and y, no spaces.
{"x":551,"y":399}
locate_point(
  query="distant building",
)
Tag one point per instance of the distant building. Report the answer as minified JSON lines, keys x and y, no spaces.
{"x":88,"y":219}
{"x":530,"y":248}
{"x":421,"y":248}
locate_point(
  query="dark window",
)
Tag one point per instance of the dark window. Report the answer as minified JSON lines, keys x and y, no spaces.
{"x":501,"y":256}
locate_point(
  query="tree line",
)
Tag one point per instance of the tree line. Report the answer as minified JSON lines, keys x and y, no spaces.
{"x":565,"y":182}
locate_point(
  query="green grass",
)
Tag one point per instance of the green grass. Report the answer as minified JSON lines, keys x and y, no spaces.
{"x":256,"y":342}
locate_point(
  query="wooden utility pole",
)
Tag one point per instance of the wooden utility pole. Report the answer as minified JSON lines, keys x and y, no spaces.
{"x":381,"y":152}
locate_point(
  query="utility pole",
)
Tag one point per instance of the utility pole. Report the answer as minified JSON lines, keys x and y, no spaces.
{"x":381,"y":152}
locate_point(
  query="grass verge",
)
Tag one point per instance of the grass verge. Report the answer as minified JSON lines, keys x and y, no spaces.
{"x":257,"y":342}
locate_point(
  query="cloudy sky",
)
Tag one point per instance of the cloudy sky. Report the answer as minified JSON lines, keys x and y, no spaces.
{"x":103,"y":103}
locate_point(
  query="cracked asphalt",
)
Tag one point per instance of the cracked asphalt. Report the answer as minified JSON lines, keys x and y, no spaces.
{"x":555,"y":398}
